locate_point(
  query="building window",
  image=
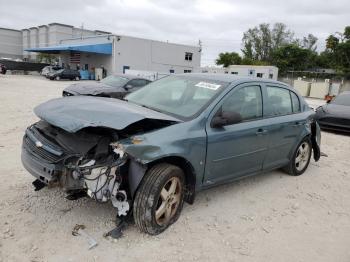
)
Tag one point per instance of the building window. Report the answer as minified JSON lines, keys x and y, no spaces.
{"x":259,"y":75}
{"x":271,"y":76}
{"x":234,"y":73}
{"x":187,"y":71}
{"x":188,"y":56}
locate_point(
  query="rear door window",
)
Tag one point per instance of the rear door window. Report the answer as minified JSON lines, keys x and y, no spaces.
{"x":278,"y":101}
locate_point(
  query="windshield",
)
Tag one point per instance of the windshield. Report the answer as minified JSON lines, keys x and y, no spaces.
{"x":114,"y":81}
{"x":182,"y":96}
{"x":342,"y":99}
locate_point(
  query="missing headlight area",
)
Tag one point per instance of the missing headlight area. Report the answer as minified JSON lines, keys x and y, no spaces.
{"x":103,"y":180}
{"x":85,"y":163}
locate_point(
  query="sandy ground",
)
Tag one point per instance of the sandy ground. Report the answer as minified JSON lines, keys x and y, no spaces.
{"x":272,"y":217}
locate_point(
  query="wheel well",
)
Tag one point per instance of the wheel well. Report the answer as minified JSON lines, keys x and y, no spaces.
{"x":190,"y":175}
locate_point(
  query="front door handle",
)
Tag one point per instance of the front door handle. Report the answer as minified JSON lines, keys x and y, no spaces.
{"x":261,"y":132}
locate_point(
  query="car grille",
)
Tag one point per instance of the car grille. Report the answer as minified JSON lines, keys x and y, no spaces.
{"x":40,"y":151}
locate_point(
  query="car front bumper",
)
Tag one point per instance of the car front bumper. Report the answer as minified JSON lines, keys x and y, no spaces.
{"x":45,"y":172}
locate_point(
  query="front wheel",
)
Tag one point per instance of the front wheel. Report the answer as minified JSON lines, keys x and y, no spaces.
{"x":300,"y":159}
{"x":159,"y":199}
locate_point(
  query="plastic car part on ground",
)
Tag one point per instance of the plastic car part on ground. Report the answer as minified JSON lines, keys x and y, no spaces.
{"x":79,"y":230}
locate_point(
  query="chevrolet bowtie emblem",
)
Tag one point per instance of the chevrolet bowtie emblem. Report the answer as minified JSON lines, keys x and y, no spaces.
{"x":38,"y":144}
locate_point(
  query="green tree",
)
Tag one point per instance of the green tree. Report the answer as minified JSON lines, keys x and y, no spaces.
{"x":293,"y":57}
{"x":337,"y":53}
{"x":261,"y":41}
{"x":227,"y":59}
{"x":347,"y":33}
{"x":332,"y":42}
{"x":342,"y":56}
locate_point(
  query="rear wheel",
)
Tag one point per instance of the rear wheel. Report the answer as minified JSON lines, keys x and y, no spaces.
{"x":301,"y":158}
{"x":159,"y":200}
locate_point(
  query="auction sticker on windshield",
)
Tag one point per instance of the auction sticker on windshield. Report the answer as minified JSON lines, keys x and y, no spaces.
{"x":208,"y":85}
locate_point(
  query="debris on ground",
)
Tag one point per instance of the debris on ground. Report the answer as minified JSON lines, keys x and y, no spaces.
{"x":117,"y":232}
{"x":80,"y":230}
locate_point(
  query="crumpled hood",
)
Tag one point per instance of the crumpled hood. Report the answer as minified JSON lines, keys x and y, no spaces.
{"x":92,"y":88}
{"x":77,"y":112}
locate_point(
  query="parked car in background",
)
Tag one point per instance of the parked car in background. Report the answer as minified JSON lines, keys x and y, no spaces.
{"x":49,"y":69}
{"x":335,"y":115}
{"x":116,"y":86}
{"x":3,"y":69}
{"x":64,"y":74}
{"x":156,"y":148}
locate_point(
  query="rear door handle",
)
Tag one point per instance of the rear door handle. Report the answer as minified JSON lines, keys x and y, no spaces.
{"x":261,"y":132}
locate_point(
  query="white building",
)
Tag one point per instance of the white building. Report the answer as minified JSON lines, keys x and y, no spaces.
{"x":90,"y":49}
{"x":270,"y":72}
{"x":11,"y":43}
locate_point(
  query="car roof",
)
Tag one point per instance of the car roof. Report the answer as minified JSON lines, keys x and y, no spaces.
{"x":230,"y":78}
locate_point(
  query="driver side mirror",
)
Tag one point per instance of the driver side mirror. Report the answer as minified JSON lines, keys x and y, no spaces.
{"x":226,"y":118}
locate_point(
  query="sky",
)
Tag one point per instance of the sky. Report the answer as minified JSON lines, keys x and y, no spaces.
{"x":219,"y":24}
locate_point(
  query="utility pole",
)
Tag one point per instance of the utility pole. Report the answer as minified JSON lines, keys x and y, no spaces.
{"x":200,"y":45}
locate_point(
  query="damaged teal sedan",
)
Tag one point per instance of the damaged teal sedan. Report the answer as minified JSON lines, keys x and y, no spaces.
{"x":152,"y":151}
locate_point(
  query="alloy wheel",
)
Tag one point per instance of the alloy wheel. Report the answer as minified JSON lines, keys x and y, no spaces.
{"x":169,"y":200}
{"x":302,"y":156}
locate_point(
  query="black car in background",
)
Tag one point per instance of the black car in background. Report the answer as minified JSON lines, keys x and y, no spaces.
{"x":335,"y":115}
{"x":115,"y":86}
{"x":3,"y":69}
{"x":65,"y":74}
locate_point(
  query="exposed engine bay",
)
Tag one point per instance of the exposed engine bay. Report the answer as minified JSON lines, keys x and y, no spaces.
{"x":87,"y":162}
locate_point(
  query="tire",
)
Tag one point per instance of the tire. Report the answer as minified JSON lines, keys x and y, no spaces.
{"x":57,"y":78}
{"x":153,"y":196}
{"x":300,"y":159}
